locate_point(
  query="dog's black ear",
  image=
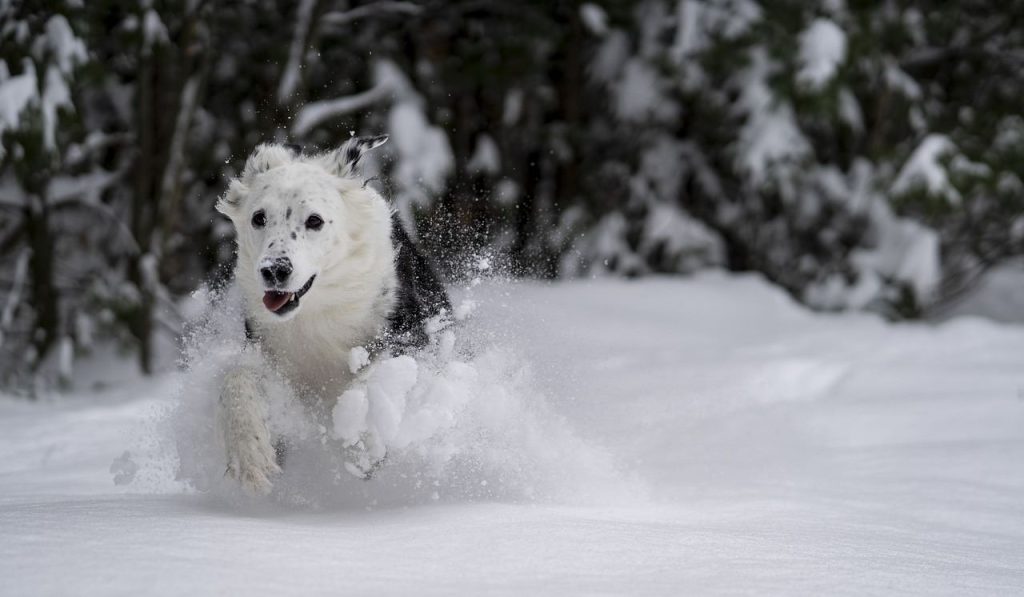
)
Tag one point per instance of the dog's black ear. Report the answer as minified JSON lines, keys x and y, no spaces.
{"x":344,"y":161}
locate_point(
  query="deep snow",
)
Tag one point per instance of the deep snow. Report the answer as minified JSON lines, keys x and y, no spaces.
{"x":700,"y":435}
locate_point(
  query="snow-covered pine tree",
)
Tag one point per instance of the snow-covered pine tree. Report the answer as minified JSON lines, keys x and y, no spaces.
{"x":861,"y":155}
{"x":634,"y":217}
{"x":44,"y":178}
{"x":791,"y":132}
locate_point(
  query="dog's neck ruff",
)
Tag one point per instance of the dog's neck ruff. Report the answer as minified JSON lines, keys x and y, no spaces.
{"x":312,"y":348}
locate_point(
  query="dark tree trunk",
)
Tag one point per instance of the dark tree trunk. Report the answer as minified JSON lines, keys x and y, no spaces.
{"x":140,"y":318}
{"x":44,"y":294}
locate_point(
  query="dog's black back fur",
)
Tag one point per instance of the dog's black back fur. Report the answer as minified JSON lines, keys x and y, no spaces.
{"x":421,"y":295}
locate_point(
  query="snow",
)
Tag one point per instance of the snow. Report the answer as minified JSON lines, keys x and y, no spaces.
{"x":906,"y":251}
{"x":389,"y":83}
{"x":898,"y":249}
{"x":423,"y":155}
{"x":486,"y":156}
{"x":341,"y":20}
{"x":18,"y":284}
{"x":290,"y":75}
{"x":688,"y":35}
{"x":698,"y":21}
{"x":605,"y":247}
{"x":154,"y":32}
{"x":56,"y":95}
{"x":660,"y":166}
{"x":425,"y":158}
{"x":900,"y":81}
{"x":822,"y":52}
{"x":358,"y":358}
{"x":66,"y":50}
{"x":690,"y":243}
{"x":608,"y":61}
{"x":924,"y":169}
{"x":594,"y":18}
{"x":65,"y":359}
{"x":314,"y":113}
{"x":999,"y":295}
{"x":699,"y":435}
{"x":513,"y":107}
{"x":16,"y":94}
{"x":770,"y":136}
{"x":899,"y":254}
{"x":849,"y":110}
{"x":640,"y":94}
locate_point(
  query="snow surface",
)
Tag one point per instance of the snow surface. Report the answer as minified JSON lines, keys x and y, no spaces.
{"x":664,"y":437}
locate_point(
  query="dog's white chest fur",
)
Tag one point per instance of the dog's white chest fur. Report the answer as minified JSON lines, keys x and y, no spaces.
{"x":312,"y":350}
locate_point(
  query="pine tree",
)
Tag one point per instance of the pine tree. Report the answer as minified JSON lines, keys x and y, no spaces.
{"x":40,"y":155}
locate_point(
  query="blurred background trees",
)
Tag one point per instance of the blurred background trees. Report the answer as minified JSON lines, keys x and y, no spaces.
{"x":862,"y":155}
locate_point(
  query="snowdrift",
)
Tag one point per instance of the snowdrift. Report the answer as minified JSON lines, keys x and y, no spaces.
{"x":655,"y":437}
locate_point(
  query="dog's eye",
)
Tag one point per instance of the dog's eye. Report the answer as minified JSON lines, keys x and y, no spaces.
{"x":314,"y":222}
{"x":259,"y":219}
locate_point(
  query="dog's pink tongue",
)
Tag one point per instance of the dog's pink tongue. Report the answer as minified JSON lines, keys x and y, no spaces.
{"x":275,"y":300}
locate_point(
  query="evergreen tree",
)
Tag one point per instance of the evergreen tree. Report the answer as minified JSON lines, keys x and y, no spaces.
{"x":860,"y":155}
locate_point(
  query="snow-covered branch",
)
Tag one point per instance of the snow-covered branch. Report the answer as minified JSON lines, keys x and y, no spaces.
{"x":12,"y":238}
{"x":342,"y":18}
{"x":86,"y":188}
{"x":332,"y":21}
{"x":176,"y":156}
{"x":290,"y":76}
{"x":14,"y":296}
{"x":11,"y":203}
{"x":84,"y":191}
{"x":314,"y":113}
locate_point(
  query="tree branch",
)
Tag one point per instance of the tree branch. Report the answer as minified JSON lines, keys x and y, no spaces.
{"x":303,"y":31}
{"x":342,"y":18}
{"x":315,"y":113}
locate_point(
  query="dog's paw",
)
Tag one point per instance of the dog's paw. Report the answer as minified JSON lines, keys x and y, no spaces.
{"x":254,"y":465}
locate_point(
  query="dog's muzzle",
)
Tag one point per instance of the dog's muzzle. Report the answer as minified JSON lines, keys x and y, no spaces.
{"x":282,"y":303}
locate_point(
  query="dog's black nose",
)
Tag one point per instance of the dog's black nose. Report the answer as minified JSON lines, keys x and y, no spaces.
{"x":277,"y":271}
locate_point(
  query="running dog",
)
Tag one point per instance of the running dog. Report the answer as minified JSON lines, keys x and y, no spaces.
{"x":324,"y":266}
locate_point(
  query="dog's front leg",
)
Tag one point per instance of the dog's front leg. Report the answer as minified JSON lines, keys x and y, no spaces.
{"x":243,"y":421}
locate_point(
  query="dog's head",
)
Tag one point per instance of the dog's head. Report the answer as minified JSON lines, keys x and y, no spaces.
{"x":298,"y":218}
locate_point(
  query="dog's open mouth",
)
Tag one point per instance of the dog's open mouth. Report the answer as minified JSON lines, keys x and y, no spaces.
{"x":281,"y":303}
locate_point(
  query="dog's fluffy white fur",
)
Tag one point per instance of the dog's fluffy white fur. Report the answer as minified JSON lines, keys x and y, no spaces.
{"x":339,"y":286}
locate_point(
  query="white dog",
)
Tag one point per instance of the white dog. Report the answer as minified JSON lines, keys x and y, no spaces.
{"x":324,"y":266}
